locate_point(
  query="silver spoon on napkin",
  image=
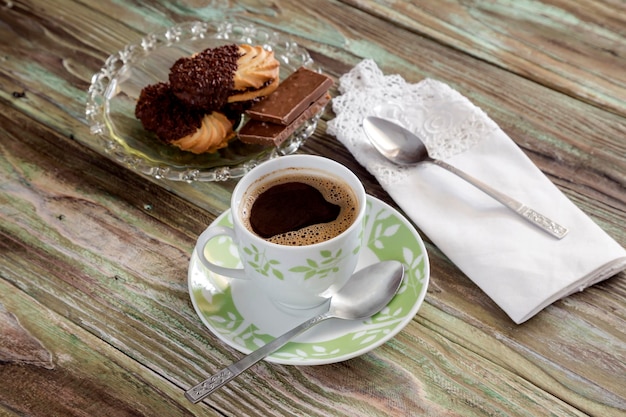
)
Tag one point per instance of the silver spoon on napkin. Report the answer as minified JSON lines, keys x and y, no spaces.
{"x":403,"y":147}
{"x":363,"y":295}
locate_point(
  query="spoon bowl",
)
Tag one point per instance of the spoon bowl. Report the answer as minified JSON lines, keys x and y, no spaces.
{"x":403,"y":147}
{"x":394,"y":142}
{"x":363,"y":295}
{"x":367,"y":291}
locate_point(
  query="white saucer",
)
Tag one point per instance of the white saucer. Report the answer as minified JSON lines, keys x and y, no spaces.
{"x":245,"y":319}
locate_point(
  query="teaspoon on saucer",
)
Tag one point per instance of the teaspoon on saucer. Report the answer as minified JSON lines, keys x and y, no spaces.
{"x":363,"y":295}
{"x":403,"y":147}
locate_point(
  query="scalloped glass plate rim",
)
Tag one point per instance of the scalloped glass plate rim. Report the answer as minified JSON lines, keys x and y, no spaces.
{"x":245,"y":320}
{"x":105,"y":86}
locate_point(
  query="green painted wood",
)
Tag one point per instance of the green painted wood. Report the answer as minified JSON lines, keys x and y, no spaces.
{"x":576,"y":48}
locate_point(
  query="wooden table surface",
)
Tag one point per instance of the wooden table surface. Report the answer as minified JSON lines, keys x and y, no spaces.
{"x":95,"y":317}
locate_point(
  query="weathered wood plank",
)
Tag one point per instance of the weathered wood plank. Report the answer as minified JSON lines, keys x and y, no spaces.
{"x":85,"y":377}
{"x":577,"y":48}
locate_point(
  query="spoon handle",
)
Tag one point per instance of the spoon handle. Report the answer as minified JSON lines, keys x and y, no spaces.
{"x":216,"y":381}
{"x":534,"y":217}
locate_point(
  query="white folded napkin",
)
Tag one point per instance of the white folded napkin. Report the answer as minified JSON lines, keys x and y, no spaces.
{"x":522,"y":268}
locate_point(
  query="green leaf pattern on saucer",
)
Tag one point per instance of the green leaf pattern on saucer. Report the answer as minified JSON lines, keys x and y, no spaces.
{"x":387,"y":235}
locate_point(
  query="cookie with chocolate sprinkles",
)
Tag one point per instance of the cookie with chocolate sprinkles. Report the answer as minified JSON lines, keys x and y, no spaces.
{"x":206,"y":79}
{"x":161,"y":112}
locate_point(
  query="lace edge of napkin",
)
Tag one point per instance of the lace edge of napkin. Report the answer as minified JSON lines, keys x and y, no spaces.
{"x":447,"y":122}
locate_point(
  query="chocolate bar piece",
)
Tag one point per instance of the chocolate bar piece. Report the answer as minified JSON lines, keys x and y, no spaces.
{"x":294,"y":95}
{"x":258,"y":132}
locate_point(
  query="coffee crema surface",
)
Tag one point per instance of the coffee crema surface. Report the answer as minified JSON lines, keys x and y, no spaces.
{"x":299,"y":208}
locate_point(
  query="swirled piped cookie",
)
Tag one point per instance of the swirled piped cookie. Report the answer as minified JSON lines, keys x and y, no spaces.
{"x":174,"y":123}
{"x":226,"y":74}
{"x":214,"y":133}
{"x":190,"y":110}
{"x":257,"y":74}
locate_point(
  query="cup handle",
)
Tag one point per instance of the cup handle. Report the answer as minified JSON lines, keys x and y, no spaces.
{"x":204,"y":238}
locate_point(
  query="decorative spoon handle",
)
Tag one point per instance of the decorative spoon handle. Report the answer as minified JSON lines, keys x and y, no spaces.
{"x":534,"y":217}
{"x":216,"y":381}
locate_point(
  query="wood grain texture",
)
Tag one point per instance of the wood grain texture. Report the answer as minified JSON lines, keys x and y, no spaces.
{"x":95,"y":318}
{"x":576,"y":48}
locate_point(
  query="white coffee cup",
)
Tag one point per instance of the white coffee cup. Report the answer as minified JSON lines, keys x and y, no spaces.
{"x":296,"y":277}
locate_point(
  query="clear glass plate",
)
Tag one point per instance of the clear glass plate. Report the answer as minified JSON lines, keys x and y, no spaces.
{"x":115,"y":88}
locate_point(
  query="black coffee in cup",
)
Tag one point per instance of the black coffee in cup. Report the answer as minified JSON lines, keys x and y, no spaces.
{"x":300,"y":208}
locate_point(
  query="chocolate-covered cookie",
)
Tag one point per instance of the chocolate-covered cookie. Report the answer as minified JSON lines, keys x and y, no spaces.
{"x":205,"y":80}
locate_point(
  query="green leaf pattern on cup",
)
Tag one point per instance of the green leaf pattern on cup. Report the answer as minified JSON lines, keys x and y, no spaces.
{"x":387,"y":237}
{"x":261,"y":264}
{"x":327,"y":264}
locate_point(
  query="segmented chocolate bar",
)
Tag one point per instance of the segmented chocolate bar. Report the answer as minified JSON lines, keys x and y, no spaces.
{"x":266,"y":133}
{"x":292,"y":97}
